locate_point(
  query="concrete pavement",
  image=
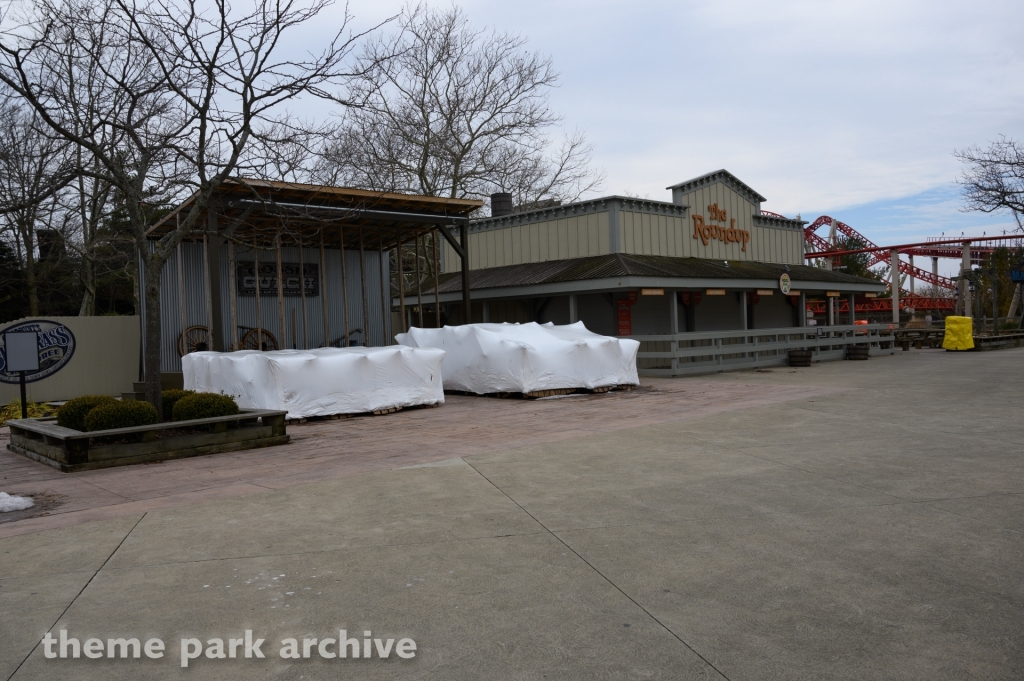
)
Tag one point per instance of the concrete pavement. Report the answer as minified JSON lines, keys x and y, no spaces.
{"x":854,"y":520}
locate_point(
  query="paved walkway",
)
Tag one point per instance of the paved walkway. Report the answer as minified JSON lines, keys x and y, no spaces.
{"x":322,"y":450}
{"x":854,"y":520}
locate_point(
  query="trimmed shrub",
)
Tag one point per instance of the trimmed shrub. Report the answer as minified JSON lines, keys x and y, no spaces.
{"x":204,"y":406}
{"x":170,"y":398}
{"x":73,"y":412}
{"x":123,"y":414}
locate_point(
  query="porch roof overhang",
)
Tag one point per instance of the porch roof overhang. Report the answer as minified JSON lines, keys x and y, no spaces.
{"x":268,"y":213}
{"x":621,"y":272}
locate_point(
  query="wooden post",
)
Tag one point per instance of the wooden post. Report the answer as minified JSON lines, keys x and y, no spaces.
{"x":181,"y":293}
{"x":437,"y":294}
{"x":208,"y":290}
{"x":419,"y":282}
{"x":323,"y":290}
{"x":233,"y":297}
{"x":401,"y":286}
{"x":853,"y":308}
{"x":362,"y":285}
{"x":302,"y":293}
{"x":385,"y":304}
{"x":259,"y":306}
{"x":344,"y":284}
{"x":211,"y":252}
{"x":280,"y":296}
{"x":467,"y":302}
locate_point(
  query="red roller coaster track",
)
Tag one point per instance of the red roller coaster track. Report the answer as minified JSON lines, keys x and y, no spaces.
{"x":817,"y":247}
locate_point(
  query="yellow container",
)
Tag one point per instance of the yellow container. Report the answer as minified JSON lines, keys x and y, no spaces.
{"x":959,"y":334}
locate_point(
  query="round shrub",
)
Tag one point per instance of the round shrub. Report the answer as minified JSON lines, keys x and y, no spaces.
{"x":170,"y":398}
{"x":123,"y":414}
{"x":72,"y":413}
{"x":204,"y":406}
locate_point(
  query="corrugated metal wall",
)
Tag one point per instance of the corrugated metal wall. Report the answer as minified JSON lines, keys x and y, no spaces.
{"x":295,"y":336}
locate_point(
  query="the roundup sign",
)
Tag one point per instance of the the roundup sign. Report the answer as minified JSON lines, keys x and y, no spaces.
{"x":56,"y":347}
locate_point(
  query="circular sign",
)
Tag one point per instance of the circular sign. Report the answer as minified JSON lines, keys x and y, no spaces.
{"x":56,"y":346}
{"x":785,"y":284}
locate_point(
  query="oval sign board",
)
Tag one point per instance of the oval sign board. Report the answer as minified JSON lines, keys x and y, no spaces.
{"x":785,"y":285}
{"x":56,"y":346}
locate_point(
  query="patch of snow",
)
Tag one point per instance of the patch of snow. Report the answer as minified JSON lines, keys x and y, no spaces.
{"x":9,"y":502}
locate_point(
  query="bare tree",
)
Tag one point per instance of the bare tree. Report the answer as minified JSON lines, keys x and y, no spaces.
{"x":34,"y":167}
{"x":166,"y":97}
{"x":993,"y":178}
{"x":457,"y":112}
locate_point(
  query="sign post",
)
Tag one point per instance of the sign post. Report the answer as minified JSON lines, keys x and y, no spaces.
{"x":22,"y":355}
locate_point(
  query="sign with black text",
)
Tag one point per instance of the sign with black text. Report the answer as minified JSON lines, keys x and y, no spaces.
{"x":292,"y":282}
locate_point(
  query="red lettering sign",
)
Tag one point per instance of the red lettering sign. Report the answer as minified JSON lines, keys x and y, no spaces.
{"x":625,"y":318}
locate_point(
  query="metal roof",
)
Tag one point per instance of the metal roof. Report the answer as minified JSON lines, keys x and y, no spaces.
{"x":720,"y":175}
{"x":626,"y":265}
{"x":270,"y":211}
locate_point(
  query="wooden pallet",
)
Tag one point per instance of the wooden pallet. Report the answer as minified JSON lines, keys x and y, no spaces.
{"x":537,"y":394}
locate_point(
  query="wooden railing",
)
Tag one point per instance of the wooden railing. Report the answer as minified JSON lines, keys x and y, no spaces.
{"x":716,"y":351}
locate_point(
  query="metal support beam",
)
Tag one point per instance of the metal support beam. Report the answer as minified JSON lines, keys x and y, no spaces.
{"x":853,"y":307}
{"x":894,"y":273}
{"x":964,"y":304}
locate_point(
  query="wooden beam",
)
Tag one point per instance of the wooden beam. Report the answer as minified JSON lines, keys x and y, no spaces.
{"x":385,"y":306}
{"x":436,"y":248}
{"x":362,"y":279}
{"x":233,"y":297}
{"x":419,"y":282}
{"x":302,"y":292}
{"x":323,"y":291}
{"x":282,"y":327}
{"x":344,"y":285}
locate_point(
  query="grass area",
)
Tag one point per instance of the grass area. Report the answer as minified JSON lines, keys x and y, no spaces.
{"x":35,"y":410}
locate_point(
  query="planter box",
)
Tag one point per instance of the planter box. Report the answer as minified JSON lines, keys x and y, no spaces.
{"x":72,"y":450}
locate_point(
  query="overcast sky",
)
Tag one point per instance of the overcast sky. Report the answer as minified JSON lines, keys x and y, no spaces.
{"x":850,"y":109}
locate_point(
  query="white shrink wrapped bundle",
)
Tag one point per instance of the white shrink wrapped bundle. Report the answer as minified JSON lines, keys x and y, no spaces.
{"x":320,"y":382}
{"x":489,"y":358}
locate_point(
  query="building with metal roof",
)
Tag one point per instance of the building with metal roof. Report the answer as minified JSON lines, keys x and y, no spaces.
{"x":709,"y":260}
{"x":278,"y":265}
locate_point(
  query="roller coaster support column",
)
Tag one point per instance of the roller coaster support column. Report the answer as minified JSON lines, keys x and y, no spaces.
{"x":911,"y":275}
{"x":894,"y":273}
{"x":964,"y":303}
